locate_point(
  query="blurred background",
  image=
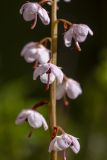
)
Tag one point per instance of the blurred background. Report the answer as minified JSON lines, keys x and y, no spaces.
{"x":86,"y":116}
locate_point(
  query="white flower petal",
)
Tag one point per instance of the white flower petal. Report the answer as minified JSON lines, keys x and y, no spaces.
{"x":22,"y":116}
{"x":36,"y":120}
{"x":90,"y":31}
{"x":56,"y":143}
{"x":44,"y":78}
{"x":26,"y":48}
{"x":68,"y":37}
{"x":60,"y":91}
{"x":62,"y":142}
{"x":57,"y":72}
{"x":44,"y":123}
{"x":43,"y":15}
{"x":73,"y":88}
{"x":75,"y":146}
{"x":41,"y":69}
{"x":31,"y":55}
{"x":29,"y":10}
{"x":43,"y":55}
{"x":52,"y":144}
{"x":80,"y":32}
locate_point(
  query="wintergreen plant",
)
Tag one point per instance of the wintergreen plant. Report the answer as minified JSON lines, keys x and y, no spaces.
{"x":51,"y":75}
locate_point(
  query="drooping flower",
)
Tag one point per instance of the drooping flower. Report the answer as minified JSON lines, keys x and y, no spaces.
{"x":69,"y":87}
{"x":78,"y":32}
{"x":30,"y":10}
{"x":64,"y":141}
{"x":34,"y":51}
{"x":48,"y":72}
{"x":34,"y":118}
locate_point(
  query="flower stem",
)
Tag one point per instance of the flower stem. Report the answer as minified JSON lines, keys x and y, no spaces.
{"x":54,"y":61}
{"x":64,"y":21}
{"x":45,"y":39}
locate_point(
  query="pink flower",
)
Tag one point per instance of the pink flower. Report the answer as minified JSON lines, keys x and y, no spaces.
{"x":70,"y":87}
{"x":34,"y":118}
{"x":35,"y":52}
{"x":30,"y":10}
{"x":78,"y":32}
{"x":63,"y":142}
{"x":48,"y":72}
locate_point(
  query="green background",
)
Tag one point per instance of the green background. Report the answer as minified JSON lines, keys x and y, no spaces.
{"x":86,"y":116}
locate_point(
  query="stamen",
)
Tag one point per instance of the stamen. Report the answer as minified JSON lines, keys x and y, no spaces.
{"x":35,"y":65}
{"x":34,"y":23}
{"x":77,"y":46}
{"x":64,"y":152}
{"x":30,"y":133}
{"x":65,"y":78}
{"x":66,"y":102}
{"x":48,"y":72}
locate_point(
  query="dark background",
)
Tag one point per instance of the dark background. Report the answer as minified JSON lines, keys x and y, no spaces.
{"x":86,"y":116}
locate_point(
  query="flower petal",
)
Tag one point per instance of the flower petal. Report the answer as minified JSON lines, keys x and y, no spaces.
{"x":55,"y":144}
{"x":31,"y":55}
{"x":43,"y":55}
{"x":29,"y":10}
{"x":27,"y":47}
{"x":34,"y":119}
{"x":44,"y":123}
{"x":43,"y":15}
{"x":52,"y":144}
{"x":44,"y":78}
{"x":73,"y":88}
{"x":22,"y":116}
{"x":60,"y":91}
{"x":41,"y":69}
{"x":68,"y":37}
{"x":57,"y":72}
{"x":80,"y":32}
{"x":62,"y":142}
{"x":75,"y":146}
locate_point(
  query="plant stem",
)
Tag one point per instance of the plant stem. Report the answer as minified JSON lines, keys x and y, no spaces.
{"x":54,"y":61}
